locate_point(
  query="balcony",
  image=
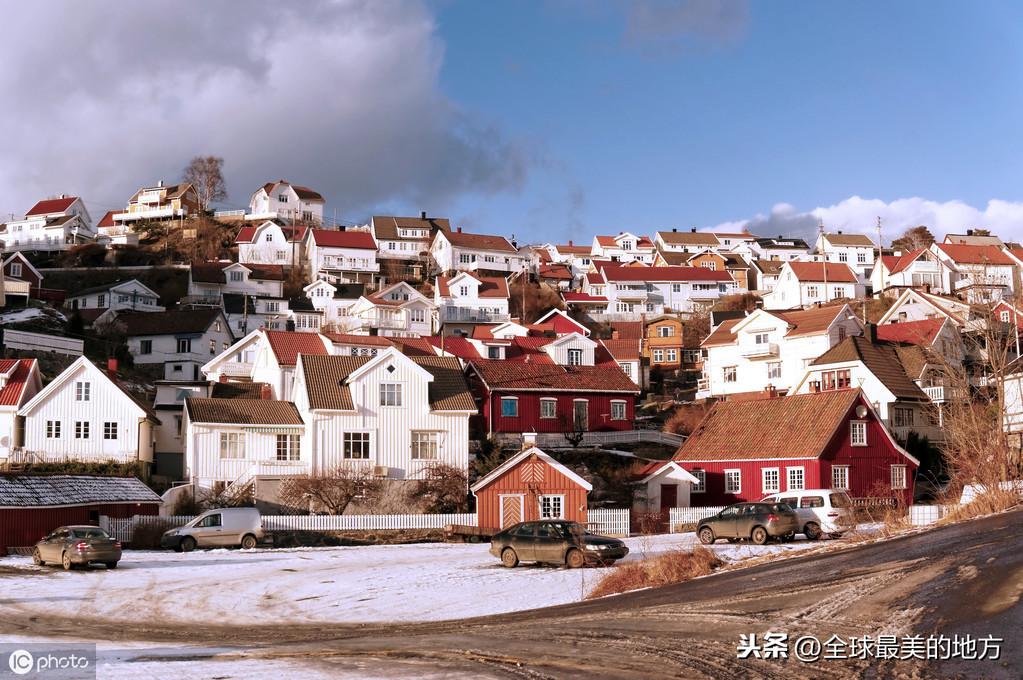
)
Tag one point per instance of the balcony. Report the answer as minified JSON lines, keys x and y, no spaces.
{"x":761,"y":350}
{"x":149,"y":214}
{"x":349,"y":265}
{"x":471,"y":315}
{"x":940,"y":394}
{"x":395,"y":323}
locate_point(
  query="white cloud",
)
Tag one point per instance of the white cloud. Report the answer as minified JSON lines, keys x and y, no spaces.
{"x":856,"y":214}
{"x":339,"y":95}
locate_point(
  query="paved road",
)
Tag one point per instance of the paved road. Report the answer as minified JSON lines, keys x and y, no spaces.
{"x":966,"y":578}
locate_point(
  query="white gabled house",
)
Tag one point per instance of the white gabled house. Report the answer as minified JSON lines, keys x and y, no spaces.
{"x":181,"y":340}
{"x":467,"y":298}
{"x":348,"y":256}
{"x":95,"y":304}
{"x":577,"y":258}
{"x":87,"y":415}
{"x":237,"y":361}
{"x":398,"y":310}
{"x":691,"y":241}
{"x":804,"y":284}
{"x":855,"y":250}
{"x":271,"y":243}
{"x":982,"y":274}
{"x":916,"y":269}
{"x":461,"y":251}
{"x":51,"y":224}
{"x":19,"y":381}
{"x":390,"y":413}
{"x":208,"y":281}
{"x":333,"y":301}
{"x":625,"y":247}
{"x":628,"y":292}
{"x":286,"y":201}
{"x":405,"y":241}
{"x":919,"y":305}
{"x":770,"y":248}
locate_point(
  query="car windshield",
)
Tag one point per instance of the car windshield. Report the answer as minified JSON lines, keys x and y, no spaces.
{"x":89,"y":533}
{"x":782,"y":507}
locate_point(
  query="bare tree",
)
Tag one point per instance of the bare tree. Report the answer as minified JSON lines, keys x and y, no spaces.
{"x":914,"y":238}
{"x":443,"y":489}
{"x":205,"y":174}
{"x":332,"y":491}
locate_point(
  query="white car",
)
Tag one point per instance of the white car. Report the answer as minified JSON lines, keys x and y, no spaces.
{"x":821,"y":511}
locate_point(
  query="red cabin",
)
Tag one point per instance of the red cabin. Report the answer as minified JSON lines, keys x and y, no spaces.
{"x":530,"y":486}
{"x":745,"y":450}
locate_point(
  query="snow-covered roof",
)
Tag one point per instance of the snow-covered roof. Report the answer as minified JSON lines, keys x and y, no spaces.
{"x":28,"y":491}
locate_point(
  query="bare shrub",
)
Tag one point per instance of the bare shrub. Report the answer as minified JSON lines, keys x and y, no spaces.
{"x":146,"y":536}
{"x":333,"y":491}
{"x":671,"y":567}
{"x":443,"y":489}
{"x":992,"y":500}
{"x":685,"y":418}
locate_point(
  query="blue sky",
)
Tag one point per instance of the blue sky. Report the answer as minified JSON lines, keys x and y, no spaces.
{"x":547,"y":119}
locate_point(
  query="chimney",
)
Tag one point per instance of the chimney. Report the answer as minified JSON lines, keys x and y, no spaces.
{"x":422,"y":215}
{"x":112,"y":367}
{"x":839,"y":231}
{"x":159,"y":183}
{"x":570,"y":244}
{"x":674,"y":229}
{"x":264,"y":392}
{"x":693,"y":230}
{"x":223,"y":378}
{"x":872,"y":333}
{"x":459,"y":230}
{"x":969,"y":232}
{"x":615,"y":334}
{"x":771,"y":391}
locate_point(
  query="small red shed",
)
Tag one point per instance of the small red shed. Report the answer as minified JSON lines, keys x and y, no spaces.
{"x":31,"y":506}
{"x":530,"y":486}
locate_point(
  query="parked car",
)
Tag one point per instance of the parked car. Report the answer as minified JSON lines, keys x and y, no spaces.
{"x":555,"y":542}
{"x":77,"y":545}
{"x":758,"y":522}
{"x":241,"y":527}
{"x":821,"y":511}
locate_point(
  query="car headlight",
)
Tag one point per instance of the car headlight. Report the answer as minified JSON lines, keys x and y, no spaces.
{"x":592,"y":547}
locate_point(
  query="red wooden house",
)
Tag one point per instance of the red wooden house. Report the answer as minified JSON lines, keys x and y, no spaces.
{"x":530,"y":486}
{"x":744,"y":450}
{"x":523,"y":396}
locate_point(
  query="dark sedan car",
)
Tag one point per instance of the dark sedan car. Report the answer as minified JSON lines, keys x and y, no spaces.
{"x":555,"y":542}
{"x":758,"y":522}
{"x":77,"y":545}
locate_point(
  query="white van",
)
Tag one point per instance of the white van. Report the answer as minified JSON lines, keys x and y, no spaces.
{"x":242,"y":527}
{"x":821,"y":511}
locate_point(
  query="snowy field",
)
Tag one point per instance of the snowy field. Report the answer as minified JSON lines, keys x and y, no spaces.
{"x":420,"y":582}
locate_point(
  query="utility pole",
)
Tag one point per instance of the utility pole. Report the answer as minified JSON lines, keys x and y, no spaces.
{"x":820,"y":233}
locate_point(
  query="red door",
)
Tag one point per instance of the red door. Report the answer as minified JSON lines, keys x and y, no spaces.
{"x":669,"y":500}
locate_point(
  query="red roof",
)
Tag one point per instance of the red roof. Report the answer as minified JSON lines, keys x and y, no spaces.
{"x":555,"y":271}
{"x":108,"y":220}
{"x":330,"y":238}
{"x":623,"y":350}
{"x":51,"y":205}
{"x":572,"y":249}
{"x":964,"y":254}
{"x":584,"y":297}
{"x":287,"y":345}
{"x":520,"y":376}
{"x":665,"y":274}
{"x":837,"y":272}
{"x":912,"y":332}
{"x":456,"y":346}
{"x":607,"y":241}
{"x":897,"y":263}
{"x":629,"y":330}
{"x":13,"y":390}
{"x":490,"y":286}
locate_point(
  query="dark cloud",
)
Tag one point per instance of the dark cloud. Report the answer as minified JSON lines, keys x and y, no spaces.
{"x":341,"y":96}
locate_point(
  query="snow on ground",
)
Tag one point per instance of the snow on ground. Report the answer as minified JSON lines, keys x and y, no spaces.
{"x":21,"y":315}
{"x":419,"y":582}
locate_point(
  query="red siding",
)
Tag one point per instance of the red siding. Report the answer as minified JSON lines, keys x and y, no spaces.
{"x":24,"y":527}
{"x":26,"y":273}
{"x":750,"y":477}
{"x":529,"y":420}
{"x":488,"y":499}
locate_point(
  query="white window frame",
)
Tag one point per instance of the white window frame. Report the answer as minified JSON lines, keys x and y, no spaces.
{"x":292,"y":449}
{"x":53,"y":429}
{"x":575,"y":356}
{"x":764,"y":486}
{"x":619,"y":403}
{"x":514,"y":400}
{"x":658,"y":356}
{"x":232,"y":445}
{"x":858,"y":427}
{"x":900,"y":481}
{"x":548,"y":402}
{"x":364,"y":439}
{"x":391,"y":395}
{"x":559,"y":499}
{"x":788,"y":478}
{"x":109,"y":429}
{"x":734,"y":374}
{"x":736,"y":474}
{"x":840,"y":477}
{"x":83,"y":391}
{"x":701,"y":480}
{"x":82,"y":429}
{"x":774,"y":370}
{"x":425,"y":445}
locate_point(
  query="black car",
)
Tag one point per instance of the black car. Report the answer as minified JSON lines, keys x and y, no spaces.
{"x":555,"y":542}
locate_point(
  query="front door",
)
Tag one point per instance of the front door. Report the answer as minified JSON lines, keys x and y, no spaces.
{"x":669,"y":497}
{"x":581,"y":414}
{"x":511,"y":510}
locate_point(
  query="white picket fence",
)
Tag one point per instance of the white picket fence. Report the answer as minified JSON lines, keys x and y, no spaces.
{"x":922,"y":515}
{"x":682,"y":516}
{"x":608,"y":521}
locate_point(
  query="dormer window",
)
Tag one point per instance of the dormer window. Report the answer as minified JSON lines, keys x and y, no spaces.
{"x":463,"y":291}
{"x":575,"y":357}
{"x":237,"y":276}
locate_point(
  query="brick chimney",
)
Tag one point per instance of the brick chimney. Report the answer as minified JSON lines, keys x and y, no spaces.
{"x":771,"y":391}
{"x":615,"y":334}
{"x":265,"y":393}
{"x":675,"y":229}
{"x":459,"y":230}
{"x":112,"y":367}
{"x":693,"y":230}
{"x":422,"y":215}
{"x":222,"y":378}
{"x":872,"y":333}
{"x":570,"y":244}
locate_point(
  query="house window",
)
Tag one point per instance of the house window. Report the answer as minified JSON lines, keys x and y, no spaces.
{"x":494,"y":352}
{"x":770,"y":480}
{"x":424,"y":445}
{"x":761,"y":338}
{"x":795,"y":478}
{"x":733,"y":481}
{"x":82,"y":391}
{"x":902,"y":416}
{"x":53,"y":429}
{"x":861,"y":258}
{"x":676,"y":288}
{"x":464,"y":259}
{"x":672,"y":356}
{"x":418,"y":315}
{"x":658,"y":356}
{"x":701,"y":480}
{"x":122,"y":298}
{"x":15,"y":269}
{"x":184,"y":345}
{"x":843,"y":257}
{"x":691,"y":356}
{"x":617,"y":410}
{"x":836,"y":380}
{"x":898,"y":476}
{"x":176,"y":368}
{"x":509,"y":407}
{"x":213,"y":347}
{"x":269,"y":238}
{"x":356,"y":445}
{"x":728,"y":373}
{"x":552,"y":507}
{"x":178,"y":421}
{"x":665,"y":331}
{"x":110,"y":430}
{"x":812,"y":291}
{"x":273,"y":307}
{"x":1004,"y":317}
{"x":237,"y":276}
{"x":575,"y":357}
{"x":774,"y":370}
{"x":288,"y":447}
{"x":858,"y":433}
{"x":101,"y":301}
{"x":146,"y":347}
{"x":81,"y":429}
{"x":840,"y":477}
{"x":232,"y":445}
{"x":548,"y":408}
{"x":390,"y":394}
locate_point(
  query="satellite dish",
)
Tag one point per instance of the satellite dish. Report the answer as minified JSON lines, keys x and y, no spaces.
{"x":861,"y":411}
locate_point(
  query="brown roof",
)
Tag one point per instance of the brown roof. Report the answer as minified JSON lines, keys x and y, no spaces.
{"x":555,"y":271}
{"x":689,"y":238}
{"x":675,"y":258}
{"x":304,"y":193}
{"x":837,"y":272}
{"x":287,"y":345}
{"x":386,"y":227}
{"x":326,"y":376}
{"x":238,"y":390}
{"x":769,"y":266}
{"x":479,"y":241}
{"x":242,"y":411}
{"x":882,"y":359}
{"x":628,"y":329}
{"x":573,"y":249}
{"x":624,"y":349}
{"x":800,"y":426}
{"x":517,"y":376}
{"x":175,"y":322}
{"x":840,"y":239}
{"x":490,"y":286}
{"x":801,"y":322}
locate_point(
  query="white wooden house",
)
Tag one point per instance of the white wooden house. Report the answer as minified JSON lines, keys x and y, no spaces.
{"x":855,"y":250}
{"x":286,"y":201}
{"x":51,"y":224}
{"x":625,"y":247}
{"x":394,"y":414}
{"x":918,"y":305}
{"x":348,"y":256}
{"x":920,"y":268}
{"x":576,"y":257}
{"x":461,"y":251}
{"x":404,"y":242}
{"x":398,"y":310}
{"x":980,"y":274}
{"x":19,"y":381}
{"x":770,"y":248}
{"x":334,"y":301}
{"x":180,"y":341}
{"x":208,"y":281}
{"x":691,"y":241}
{"x":272,"y":243}
{"x":804,"y":284}
{"x":237,"y":361}
{"x":628,"y":292}
{"x":467,"y":298}
{"x":95,"y":305}
{"x":159,"y":202}
{"x":86,"y":415}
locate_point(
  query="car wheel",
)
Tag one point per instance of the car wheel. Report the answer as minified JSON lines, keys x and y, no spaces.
{"x":812,"y":532}
{"x":706,"y":535}
{"x":66,"y":562}
{"x":759,"y":535}
{"x":575,"y":558}
{"x":509,"y":558}
{"x":37,"y":558}
{"x":187,"y":544}
{"x":111,"y":565}
{"x":248,"y":542}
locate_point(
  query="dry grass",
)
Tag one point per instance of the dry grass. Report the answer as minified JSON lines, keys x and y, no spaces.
{"x":671,"y":567}
{"x":988,"y":503}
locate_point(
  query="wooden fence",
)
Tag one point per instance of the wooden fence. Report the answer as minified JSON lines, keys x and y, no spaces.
{"x":39,"y":341}
{"x":609,"y":521}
